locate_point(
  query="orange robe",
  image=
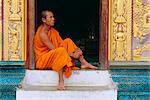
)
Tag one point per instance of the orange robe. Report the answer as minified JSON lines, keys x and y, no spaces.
{"x":55,"y":59}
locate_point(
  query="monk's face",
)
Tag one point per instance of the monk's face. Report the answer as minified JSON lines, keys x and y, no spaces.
{"x":49,"y":20}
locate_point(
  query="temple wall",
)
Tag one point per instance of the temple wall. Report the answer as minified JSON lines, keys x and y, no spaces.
{"x":13,"y":45}
{"x":129,"y":30}
{"x":141,"y":30}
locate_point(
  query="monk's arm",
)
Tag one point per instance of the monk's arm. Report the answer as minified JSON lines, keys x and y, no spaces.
{"x":46,"y":41}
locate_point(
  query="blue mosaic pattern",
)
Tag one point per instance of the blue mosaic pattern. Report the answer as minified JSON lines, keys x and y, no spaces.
{"x":8,"y":95}
{"x":11,"y":74}
{"x":133,"y":97}
{"x":133,"y":84}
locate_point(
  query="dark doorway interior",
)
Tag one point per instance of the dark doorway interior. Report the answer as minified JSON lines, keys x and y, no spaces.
{"x":77,"y":19}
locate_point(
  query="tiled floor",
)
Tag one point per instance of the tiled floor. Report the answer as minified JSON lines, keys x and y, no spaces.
{"x":132,"y":84}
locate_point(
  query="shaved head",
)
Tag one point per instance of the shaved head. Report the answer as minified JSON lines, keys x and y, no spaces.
{"x":44,"y":13}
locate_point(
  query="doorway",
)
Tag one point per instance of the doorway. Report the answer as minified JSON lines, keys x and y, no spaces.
{"x":78,"y":19}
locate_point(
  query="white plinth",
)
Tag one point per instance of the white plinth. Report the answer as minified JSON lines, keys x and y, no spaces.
{"x":82,"y":85}
{"x":78,"y":78}
{"x":72,"y":93}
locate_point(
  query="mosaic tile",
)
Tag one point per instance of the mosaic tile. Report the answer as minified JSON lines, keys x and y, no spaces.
{"x":10,"y":77}
{"x":133,"y":84}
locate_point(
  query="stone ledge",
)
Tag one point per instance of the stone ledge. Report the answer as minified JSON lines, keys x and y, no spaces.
{"x":78,"y":78}
{"x":71,"y":93}
{"x":129,"y":64}
{"x":68,"y":88}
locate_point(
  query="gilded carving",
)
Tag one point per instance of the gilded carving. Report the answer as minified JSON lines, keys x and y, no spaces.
{"x":120,"y":10}
{"x":15,"y":9}
{"x":119,"y":39}
{"x":14,"y":29}
{"x":139,"y":50}
{"x":120,"y":29}
{"x":138,"y":34}
{"x":141,"y":20}
{"x":14,"y":42}
{"x":141,"y":29}
{"x":146,"y":46}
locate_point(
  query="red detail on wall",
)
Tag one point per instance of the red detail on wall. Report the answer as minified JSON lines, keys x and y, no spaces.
{"x":28,"y":43}
{"x":104,"y":23}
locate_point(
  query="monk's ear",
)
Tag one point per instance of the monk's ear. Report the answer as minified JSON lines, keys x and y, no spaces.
{"x":43,"y":20}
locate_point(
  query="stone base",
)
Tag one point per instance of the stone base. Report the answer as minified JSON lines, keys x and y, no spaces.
{"x":82,"y":85}
{"x":78,"y":78}
{"x":71,"y":93}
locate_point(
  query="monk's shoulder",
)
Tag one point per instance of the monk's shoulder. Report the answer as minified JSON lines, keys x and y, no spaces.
{"x":54,"y":30}
{"x":43,"y":34}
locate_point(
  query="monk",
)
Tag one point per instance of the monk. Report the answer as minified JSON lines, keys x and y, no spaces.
{"x":52,"y":52}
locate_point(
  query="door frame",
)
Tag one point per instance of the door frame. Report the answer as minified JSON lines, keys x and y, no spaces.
{"x":103,"y":33}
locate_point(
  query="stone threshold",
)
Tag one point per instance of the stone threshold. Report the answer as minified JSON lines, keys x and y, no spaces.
{"x":68,"y":88}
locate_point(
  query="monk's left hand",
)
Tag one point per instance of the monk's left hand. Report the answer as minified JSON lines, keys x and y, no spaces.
{"x":79,"y":51}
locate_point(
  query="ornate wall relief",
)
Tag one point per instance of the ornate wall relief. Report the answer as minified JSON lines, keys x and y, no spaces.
{"x":120,"y":18}
{"x":141,"y":30}
{"x":14,"y":30}
{"x":0,"y":30}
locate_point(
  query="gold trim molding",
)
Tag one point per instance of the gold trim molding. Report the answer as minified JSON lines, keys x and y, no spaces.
{"x":14,"y":30}
{"x":120,"y":14}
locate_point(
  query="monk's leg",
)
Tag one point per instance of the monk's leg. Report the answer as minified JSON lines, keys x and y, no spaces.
{"x":84,"y":64}
{"x":76,"y":53}
{"x":61,"y":80}
{"x":69,"y":45}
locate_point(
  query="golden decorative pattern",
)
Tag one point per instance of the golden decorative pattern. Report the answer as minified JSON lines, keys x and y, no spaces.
{"x":14,"y":29}
{"x":141,"y":30}
{"x":120,"y":30}
{"x":0,"y":30}
{"x":138,"y":52}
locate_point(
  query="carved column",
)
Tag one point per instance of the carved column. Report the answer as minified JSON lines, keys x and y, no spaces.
{"x":120,"y":18}
{"x":14,"y":30}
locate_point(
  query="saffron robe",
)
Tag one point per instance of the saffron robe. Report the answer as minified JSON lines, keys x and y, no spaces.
{"x":57,"y":58}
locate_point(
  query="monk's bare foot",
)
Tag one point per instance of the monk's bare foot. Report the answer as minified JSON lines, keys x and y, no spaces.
{"x":75,"y":68}
{"x":61,"y":86}
{"x":88,"y":66}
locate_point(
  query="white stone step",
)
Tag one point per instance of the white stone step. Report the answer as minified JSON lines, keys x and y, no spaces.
{"x":71,"y":93}
{"x":78,"y":78}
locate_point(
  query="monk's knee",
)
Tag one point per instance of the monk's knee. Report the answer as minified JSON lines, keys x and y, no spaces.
{"x":80,"y":53}
{"x":67,"y":39}
{"x":61,"y":49}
